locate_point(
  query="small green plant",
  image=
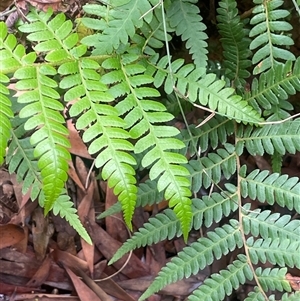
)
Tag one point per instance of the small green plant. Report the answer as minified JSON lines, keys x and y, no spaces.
{"x":112,"y":79}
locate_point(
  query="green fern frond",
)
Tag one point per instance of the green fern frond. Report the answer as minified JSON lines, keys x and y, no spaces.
{"x":267,"y":32}
{"x":197,"y":256}
{"x":235,"y":43}
{"x":267,"y":225}
{"x":103,"y":128}
{"x":288,"y":297}
{"x":20,"y":159}
{"x":281,"y":252}
{"x":282,"y":138}
{"x":166,"y":225}
{"x":222,"y":284}
{"x":194,"y":84}
{"x":143,"y":117}
{"x":119,"y":25}
{"x":64,"y":207}
{"x":6,"y":114}
{"x":272,"y":188}
{"x":184,"y":17}
{"x":50,"y":137}
{"x":273,"y":88}
{"x":210,"y":135}
{"x":54,"y":36}
{"x":208,"y":170}
{"x":12,"y":54}
{"x":273,"y":279}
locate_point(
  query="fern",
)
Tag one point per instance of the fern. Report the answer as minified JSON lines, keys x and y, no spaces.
{"x":236,"y":43}
{"x":222,"y":284}
{"x":196,"y":85}
{"x":113,"y":82}
{"x":272,"y":188}
{"x":184,"y":17}
{"x":5,"y":115}
{"x":266,"y":32}
{"x":197,"y":256}
{"x":273,"y":88}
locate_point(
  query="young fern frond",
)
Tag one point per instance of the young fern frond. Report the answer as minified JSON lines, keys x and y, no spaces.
{"x":183,"y":16}
{"x":268,"y":26}
{"x":143,"y":117}
{"x":235,"y":42}
{"x":64,"y":207}
{"x":103,"y":129}
{"x":194,"y":84}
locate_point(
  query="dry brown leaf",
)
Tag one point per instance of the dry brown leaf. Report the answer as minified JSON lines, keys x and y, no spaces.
{"x":83,"y":291}
{"x":41,"y":274}
{"x":77,"y":146}
{"x":108,"y":247}
{"x":10,"y":234}
{"x":294,"y":281}
{"x":115,"y":226}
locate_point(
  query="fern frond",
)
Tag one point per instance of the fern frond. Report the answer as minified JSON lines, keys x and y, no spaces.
{"x":273,"y":88}
{"x":267,"y":32}
{"x":222,"y":284}
{"x":197,"y":256}
{"x":272,"y":188}
{"x":282,"y":138}
{"x":12,"y":53}
{"x":166,"y":226}
{"x":208,"y":170}
{"x":6,"y":114}
{"x":273,"y":279}
{"x":50,"y":137}
{"x":195,"y":84}
{"x":235,"y":43}
{"x":54,"y":36}
{"x":282,"y":252}
{"x":21,"y":160}
{"x":267,"y":225}
{"x":143,"y":117}
{"x":120,"y":25}
{"x":64,"y":207}
{"x":103,"y":128}
{"x":209,"y":135}
{"x":186,"y":20}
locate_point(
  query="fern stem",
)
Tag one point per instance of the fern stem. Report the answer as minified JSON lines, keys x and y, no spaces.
{"x":296,"y":6}
{"x":241,"y":216}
